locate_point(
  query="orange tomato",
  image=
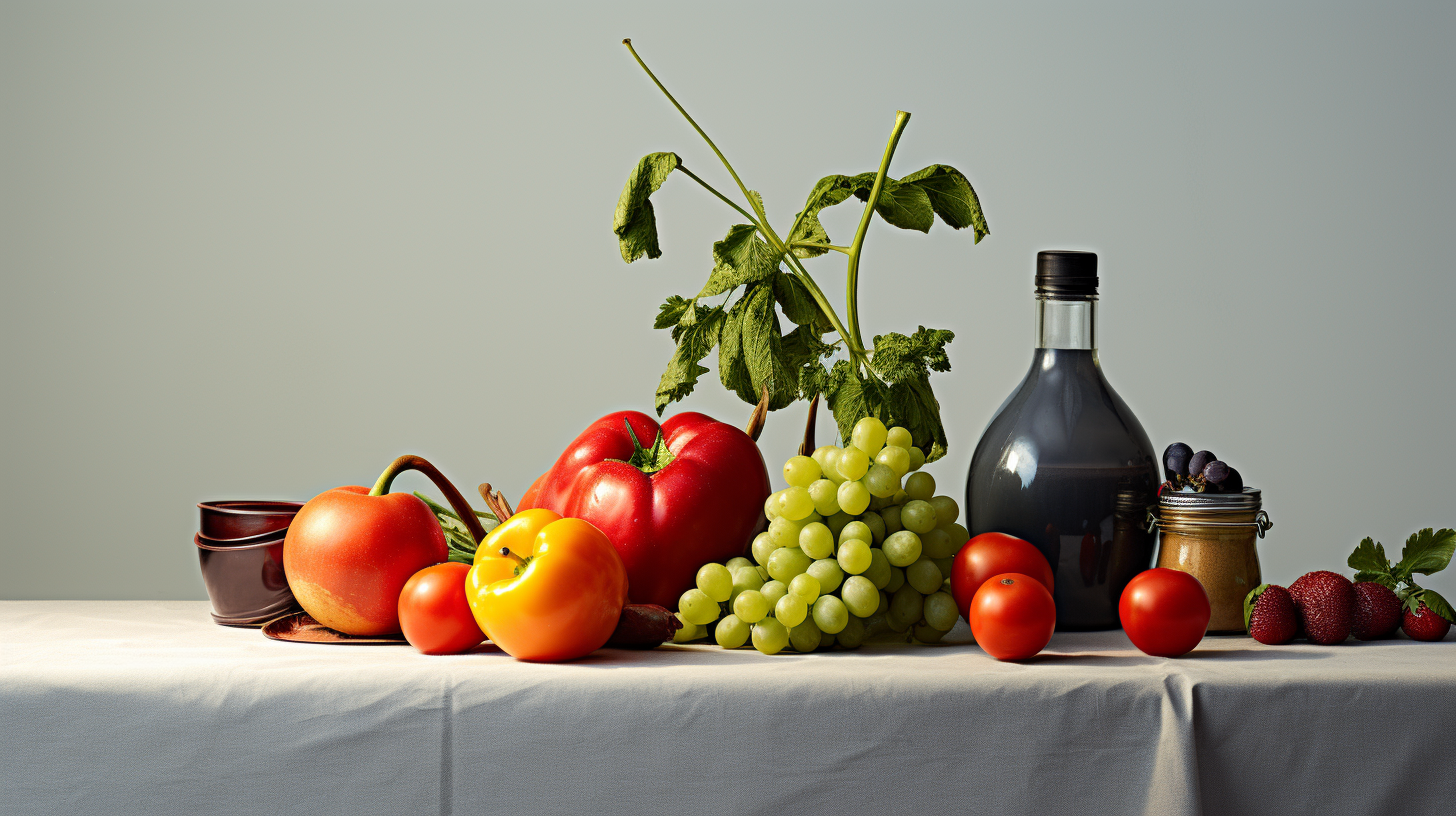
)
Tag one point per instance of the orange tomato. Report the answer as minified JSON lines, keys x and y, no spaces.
{"x":557,"y":591}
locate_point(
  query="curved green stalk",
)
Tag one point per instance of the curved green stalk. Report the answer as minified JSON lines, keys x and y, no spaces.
{"x":852,"y":284}
{"x":723,"y":198}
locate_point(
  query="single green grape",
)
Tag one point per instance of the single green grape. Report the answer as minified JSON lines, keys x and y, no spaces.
{"x":750,"y":606}
{"x":917,"y":516}
{"x":899,"y":437}
{"x":795,"y":503}
{"x":897,"y":579}
{"x":826,"y":640}
{"x":860,"y":596}
{"x":959,"y":535}
{"x":736,"y":562}
{"x":827,"y":572}
{"x":920,"y":485}
{"x":924,"y":576}
{"x":801,"y":471}
{"x":689,"y":631}
{"x":901,"y":498}
{"x":943,"y":564}
{"x":806,"y":586}
{"x":935,"y":544}
{"x":917,"y":458}
{"x":946,"y":510}
{"x":830,"y":614}
{"x":731,"y":632}
{"x":771,"y":506}
{"x":836,"y":522}
{"x":868,"y":435}
{"x":812,"y":517}
{"x":715,"y":581}
{"x":879,"y":568}
{"x":826,"y":497}
{"x":784,"y":532}
{"x":772,"y":591}
{"x":906,"y":606}
{"x":852,"y":636}
{"x":805,"y":637}
{"x":762,"y":573}
{"x":816,"y":541}
{"x":881,"y":481}
{"x":879,"y":623}
{"x":895,"y":458}
{"x":819,"y":454}
{"x":884,"y":601}
{"x":745,"y":578}
{"x":891,"y":516}
{"x":926,"y":633}
{"x":770,"y":636}
{"x":876,"y":523}
{"x":829,"y":467}
{"x":877,"y":503}
{"x":854,"y":556}
{"x":941,"y":611}
{"x":854,"y":498}
{"x":791,"y":610}
{"x":856,"y":529}
{"x":852,"y":464}
{"x":763,"y":547}
{"x":902,"y":548}
{"x":787,"y":562}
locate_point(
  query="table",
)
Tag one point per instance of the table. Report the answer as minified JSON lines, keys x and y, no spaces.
{"x":150,"y":708}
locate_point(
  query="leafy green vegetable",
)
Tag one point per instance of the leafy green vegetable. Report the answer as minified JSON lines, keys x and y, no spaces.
{"x":759,"y":276}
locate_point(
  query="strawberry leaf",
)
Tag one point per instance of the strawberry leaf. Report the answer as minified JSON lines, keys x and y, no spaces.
{"x":1369,"y":557}
{"x":1438,"y":604}
{"x":1427,"y":552}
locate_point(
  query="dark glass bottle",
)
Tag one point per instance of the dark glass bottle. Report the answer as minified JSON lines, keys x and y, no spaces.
{"x":1064,"y":463}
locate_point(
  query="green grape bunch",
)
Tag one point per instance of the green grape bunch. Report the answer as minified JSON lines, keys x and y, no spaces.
{"x":858,"y":547}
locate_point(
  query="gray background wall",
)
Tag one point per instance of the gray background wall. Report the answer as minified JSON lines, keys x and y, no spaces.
{"x":258,"y":250}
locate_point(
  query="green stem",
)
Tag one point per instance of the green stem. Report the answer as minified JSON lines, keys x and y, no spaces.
{"x":852,"y":284}
{"x":418,"y":463}
{"x":812,"y":245}
{"x":725,"y":199}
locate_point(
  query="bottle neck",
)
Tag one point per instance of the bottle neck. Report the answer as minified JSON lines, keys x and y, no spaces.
{"x":1066,"y":324}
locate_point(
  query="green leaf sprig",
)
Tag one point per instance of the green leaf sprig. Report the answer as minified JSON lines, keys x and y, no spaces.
{"x":458,"y":540}
{"x":1426,"y":552}
{"x":757,"y":274}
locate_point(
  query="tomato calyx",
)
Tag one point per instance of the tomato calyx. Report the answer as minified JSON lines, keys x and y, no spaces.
{"x":648,"y":460}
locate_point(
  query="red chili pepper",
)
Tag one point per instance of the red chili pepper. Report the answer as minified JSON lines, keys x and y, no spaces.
{"x":695,"y":495}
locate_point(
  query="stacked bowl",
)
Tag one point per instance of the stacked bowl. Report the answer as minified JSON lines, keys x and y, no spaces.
{"x":240,"y":545}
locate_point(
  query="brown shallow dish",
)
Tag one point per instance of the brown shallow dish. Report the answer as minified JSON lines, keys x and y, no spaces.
{"x":246,"y":584}
{"x":241,"y":519}
{"x":300,"y":627}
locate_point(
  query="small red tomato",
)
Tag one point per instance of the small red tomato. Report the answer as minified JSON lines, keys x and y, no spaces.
{"x":1013,"y":616}
{"x":991,"y":554}
{"x":1164,"y":612}
{"x":434,"y":613}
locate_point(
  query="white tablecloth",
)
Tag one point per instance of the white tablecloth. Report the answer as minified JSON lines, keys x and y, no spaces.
{"x":150,"y":708}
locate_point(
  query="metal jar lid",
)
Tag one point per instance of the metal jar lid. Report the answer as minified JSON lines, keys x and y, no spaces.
{"x":1205,"y":510}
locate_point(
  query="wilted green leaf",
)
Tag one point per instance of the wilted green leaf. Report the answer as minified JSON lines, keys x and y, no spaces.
{"x":742,"y":257}
{"x":694,"y":342}
{"x":671,"y":312}
{"x":901,"y":205}
{"x":634,"y":221}
{"x":798,"y":305}
{"x":952,"y":197}
{"x":898,"y":357}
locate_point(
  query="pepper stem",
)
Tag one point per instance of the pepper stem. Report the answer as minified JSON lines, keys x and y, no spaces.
{"x":457,"y":502}
{"x":506,"y":553}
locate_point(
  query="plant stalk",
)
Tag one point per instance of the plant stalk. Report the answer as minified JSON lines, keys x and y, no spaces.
{"x":852,"y":284}
{"x":457,"y":501}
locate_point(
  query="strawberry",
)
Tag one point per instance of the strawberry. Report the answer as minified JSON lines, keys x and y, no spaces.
{"x":1423,"y":624}
{"x":1270,"y":615}
{"x":1377,"y":611}
{"x":1326,"y":604}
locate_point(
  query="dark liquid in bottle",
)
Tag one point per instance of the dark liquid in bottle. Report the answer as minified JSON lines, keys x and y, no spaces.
{"x":1065,"y":465}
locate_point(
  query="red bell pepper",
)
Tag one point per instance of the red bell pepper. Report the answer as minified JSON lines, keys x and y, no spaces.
{"x":696,"y":495}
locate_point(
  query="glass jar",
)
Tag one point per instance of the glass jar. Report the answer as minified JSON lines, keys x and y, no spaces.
{"x":1212,"y":537}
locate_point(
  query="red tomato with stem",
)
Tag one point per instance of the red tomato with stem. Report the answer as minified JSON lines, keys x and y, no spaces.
{"x":1013,"y":616}
{"x":434,"y":612}
{"x":1164,"y":612}
{"x":991,"y":554}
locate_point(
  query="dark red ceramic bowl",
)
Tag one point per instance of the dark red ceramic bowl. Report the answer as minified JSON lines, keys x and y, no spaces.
{"x":261,"y":538}
{"x":241,"y":519}
{"x":246,"y":583}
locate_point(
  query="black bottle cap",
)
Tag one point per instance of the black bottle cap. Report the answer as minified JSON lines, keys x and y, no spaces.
{"x":1063,"y":273}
